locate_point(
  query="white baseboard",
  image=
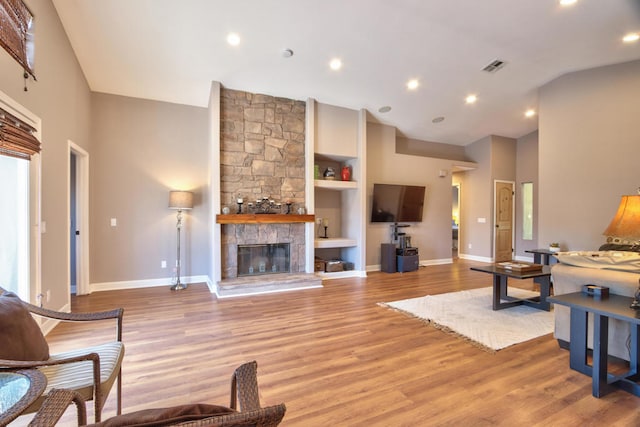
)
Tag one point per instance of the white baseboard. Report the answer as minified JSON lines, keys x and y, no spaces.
{"x":147,"y":283}
{"x":341,"y":274}
{"x":475,"y":258}
{"x":421,"y":263}
{"x":441,"y":261}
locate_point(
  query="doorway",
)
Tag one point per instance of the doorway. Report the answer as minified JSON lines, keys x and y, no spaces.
{"x":78,"y":220}
{"x":455,"y":219}
{"x":503,"y":237}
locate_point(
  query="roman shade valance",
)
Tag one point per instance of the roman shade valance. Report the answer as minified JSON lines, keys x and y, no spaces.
{"x":17,"y":138}
{"x":16,"y":32}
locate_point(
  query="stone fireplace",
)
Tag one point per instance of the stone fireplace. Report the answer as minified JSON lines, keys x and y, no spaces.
{"x":238,"y":235}
{"x":262,"y":154}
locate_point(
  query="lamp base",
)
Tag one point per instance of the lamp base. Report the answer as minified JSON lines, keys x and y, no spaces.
{"x":179,"y":286}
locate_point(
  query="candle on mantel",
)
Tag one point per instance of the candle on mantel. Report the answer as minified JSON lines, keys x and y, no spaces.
{"x":240,"y":200}
{"x":325,"y":222}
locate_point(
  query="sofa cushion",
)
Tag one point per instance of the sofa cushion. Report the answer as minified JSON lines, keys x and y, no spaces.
{"x":611,"y":260}
{"x":20,"y":335}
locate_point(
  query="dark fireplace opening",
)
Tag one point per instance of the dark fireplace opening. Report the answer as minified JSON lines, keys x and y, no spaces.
{"x":266,"y":258}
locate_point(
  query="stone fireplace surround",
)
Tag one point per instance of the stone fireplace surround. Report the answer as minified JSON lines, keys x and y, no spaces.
{"x":262,"y":154}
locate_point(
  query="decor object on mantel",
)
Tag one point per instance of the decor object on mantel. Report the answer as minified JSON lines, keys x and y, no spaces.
{"x":180,"y":200}
{"x":468,"y":315}
{"x":625,"y":228}
{"x":554,"y":247}
{"x":265,"y":206}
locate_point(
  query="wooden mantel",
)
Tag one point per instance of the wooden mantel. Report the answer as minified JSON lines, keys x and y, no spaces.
{"x":263,"y":218}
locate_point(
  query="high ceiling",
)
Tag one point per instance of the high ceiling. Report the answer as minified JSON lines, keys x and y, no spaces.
{"x":171,"y":50}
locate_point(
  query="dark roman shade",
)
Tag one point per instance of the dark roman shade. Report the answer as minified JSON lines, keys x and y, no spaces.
{"x":16,"y":137}
{"x":16,"y":32}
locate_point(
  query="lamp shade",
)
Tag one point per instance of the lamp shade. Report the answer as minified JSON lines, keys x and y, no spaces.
{"x":626,"y":224}
{"x":180,"y":200}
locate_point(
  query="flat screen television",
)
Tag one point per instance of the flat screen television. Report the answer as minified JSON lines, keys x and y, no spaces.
{"x":397,"y":203}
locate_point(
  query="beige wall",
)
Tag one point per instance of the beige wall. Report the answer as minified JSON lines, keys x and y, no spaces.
{"x":61,"y":99}
{"x":476,"y":196}
{"x":527,"y":171}
{"x":433,"y":235}
{"x":496,"y":160}
{"x":589,"y":138}
{"x":141,"y":150}
{"x":437,"y":150}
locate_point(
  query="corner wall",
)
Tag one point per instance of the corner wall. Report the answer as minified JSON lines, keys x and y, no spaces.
{"x":61,"y":99}
{"x":589,"y":138}
{"x":432,"y":236}
{"x":142,"y":149}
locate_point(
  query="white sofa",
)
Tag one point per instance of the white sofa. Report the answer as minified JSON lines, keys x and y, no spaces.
{"x":570,"y":278}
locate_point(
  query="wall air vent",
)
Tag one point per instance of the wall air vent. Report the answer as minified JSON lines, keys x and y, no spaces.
{"x":494,"y":66}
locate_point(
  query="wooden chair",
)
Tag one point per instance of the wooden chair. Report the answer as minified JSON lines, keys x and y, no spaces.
{"x":244,"y":389}
{"x":91,"y":372}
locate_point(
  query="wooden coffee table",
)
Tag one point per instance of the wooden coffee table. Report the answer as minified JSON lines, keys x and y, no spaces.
{"x":500,"y":288}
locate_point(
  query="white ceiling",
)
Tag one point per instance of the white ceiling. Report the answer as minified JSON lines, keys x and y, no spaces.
{"x":171,"y":50}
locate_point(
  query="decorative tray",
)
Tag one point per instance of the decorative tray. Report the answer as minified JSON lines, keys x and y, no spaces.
{"x":519,"y":266}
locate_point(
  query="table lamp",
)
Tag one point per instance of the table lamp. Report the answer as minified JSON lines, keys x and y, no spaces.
{"x":625,"y":226}
{"x":180,"y":200}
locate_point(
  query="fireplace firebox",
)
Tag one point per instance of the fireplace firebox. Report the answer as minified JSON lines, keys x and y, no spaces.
{"x":268,"y":258}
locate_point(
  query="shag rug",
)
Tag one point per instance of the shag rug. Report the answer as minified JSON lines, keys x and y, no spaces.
{"x":469,"y":315}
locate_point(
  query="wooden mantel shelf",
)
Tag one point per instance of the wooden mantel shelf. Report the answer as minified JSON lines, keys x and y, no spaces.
{"x":263,"y":218}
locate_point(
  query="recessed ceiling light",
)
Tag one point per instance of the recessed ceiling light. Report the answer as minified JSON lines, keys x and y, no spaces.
{"x":470,"y":99}
{"x":233,"y":39}
{"x":287,"y":53}
{"x":437,"y":119}
{"x":567,"y":2}
{"x":413,"y":84}
{"x":631,"y":37}
{"x":530,"y":113}
{"x":384,"y":109}
{"x":335,"y":64}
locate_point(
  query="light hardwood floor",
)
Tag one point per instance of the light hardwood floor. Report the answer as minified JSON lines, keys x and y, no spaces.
{"x":336,"y":358}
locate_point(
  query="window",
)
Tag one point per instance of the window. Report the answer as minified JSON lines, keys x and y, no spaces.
{"x":527,"y":211}
{"x":20,"y":189}
{"x":14,"y":225}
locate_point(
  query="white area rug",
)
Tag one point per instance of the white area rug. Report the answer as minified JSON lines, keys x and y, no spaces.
{"x":469,"y":315}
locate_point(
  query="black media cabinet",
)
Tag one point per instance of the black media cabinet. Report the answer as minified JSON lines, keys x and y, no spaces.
{"x":393,"y":259}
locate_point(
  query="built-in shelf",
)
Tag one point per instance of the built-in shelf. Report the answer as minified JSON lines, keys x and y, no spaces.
{"x":263,"y":218}
{"x":335,"y":185}
{"x":335,"y":242}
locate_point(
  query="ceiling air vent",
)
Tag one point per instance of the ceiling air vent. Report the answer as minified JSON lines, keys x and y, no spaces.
{"x":494,"y":66}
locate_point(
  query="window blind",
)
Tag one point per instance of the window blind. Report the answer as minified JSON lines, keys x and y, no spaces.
{"x":17,"y":138}
{"x":16,"y":32}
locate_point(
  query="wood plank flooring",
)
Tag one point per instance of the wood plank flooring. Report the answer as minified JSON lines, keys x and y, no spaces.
{"x":336,"y":358}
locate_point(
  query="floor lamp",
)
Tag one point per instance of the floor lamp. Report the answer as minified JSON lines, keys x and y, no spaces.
{"x":180,"y":200}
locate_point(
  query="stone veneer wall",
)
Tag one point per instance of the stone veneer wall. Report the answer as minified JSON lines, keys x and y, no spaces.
{"x":261,"y":155}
